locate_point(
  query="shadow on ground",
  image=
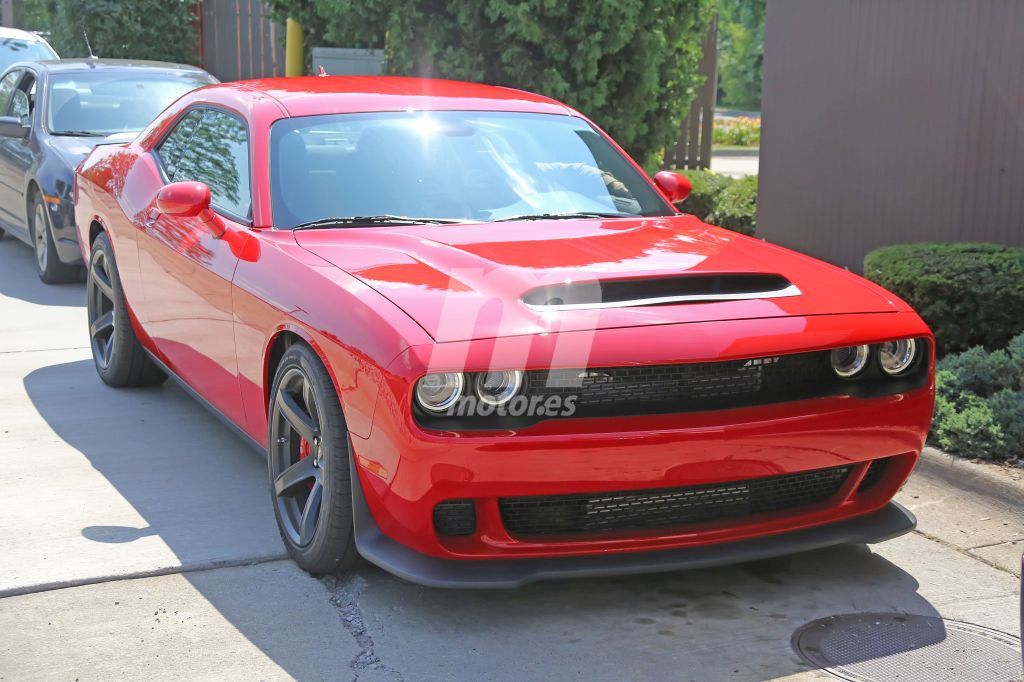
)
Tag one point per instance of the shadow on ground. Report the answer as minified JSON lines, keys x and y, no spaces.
{"x":21,"y":281}
{"x":204,"y":493}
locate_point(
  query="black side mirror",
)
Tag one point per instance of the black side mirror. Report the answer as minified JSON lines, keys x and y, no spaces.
{"x":11,"y":126}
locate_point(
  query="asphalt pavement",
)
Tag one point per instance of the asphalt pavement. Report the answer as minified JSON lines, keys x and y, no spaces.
{"x":137,"y":542}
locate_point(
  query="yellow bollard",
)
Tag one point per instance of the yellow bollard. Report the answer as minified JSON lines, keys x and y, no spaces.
{"x":293,"y":61}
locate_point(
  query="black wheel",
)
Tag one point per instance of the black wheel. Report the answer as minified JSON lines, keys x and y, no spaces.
{"x":309,"y":465}
{"x":48,"y":264}
{"x":119,"y":357}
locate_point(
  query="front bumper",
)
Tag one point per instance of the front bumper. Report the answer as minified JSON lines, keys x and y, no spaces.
{"x":404,"y":471}
{"x":889,"y":522}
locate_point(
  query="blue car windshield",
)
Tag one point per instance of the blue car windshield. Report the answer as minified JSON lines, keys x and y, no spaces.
{"x":104,"y":103}
{"x":18,"y":50}
{"x":451,"y":165}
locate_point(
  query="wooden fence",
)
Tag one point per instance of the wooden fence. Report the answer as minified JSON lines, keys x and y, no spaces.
{"x":238,"y":40}
{"x":693,"y":150}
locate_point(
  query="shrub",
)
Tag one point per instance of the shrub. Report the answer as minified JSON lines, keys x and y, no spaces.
{"x":707,"y":188}
{"x":742,"y":131}
{"x":971,"y":294}
{"x":630,"y":65}
{"x":979,"y":406}
{"x":737,"y":206}
{"x":164,"y":30}
{"x":970,"y":430}
{"x":1007,"y":409}
{"x":978,"y":371}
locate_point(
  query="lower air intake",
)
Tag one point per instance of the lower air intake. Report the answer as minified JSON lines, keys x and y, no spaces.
{"x":667,"y":507}
{"x":455,"y":517}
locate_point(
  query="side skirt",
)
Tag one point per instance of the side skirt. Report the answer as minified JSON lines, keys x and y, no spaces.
{"x":249,"y":440}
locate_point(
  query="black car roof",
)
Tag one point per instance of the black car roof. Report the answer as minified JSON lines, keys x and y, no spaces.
{"x":85,"y":64}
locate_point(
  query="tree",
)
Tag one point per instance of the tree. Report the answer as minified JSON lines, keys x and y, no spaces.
{"x":740,"y":53}
{"x":163,"y":30}
{"x":630,"y":65}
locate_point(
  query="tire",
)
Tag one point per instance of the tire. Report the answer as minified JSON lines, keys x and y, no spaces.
{"x":308,"y":461}
{"x":117,"y":353}
{"x":48,"y":264}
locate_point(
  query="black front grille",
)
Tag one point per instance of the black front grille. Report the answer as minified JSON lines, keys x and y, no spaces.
{"x":667,"y":507}
{"x":687,"y":386}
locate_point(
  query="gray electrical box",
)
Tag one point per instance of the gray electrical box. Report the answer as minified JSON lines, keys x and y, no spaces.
{"x":347,"y":61}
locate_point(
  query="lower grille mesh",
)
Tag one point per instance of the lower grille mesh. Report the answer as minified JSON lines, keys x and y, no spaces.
{"x":667,"y":507}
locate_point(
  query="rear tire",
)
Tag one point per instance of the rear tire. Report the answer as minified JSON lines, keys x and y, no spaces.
{"x":310,"y":482}
{"x":119,"y":357}
{"x":48,"y":264}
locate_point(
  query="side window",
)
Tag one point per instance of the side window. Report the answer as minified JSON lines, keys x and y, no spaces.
{"x":174,"y":145}
{"x":218,"y":155}
{"x":21,"y":100}
{"x":7,"y":86}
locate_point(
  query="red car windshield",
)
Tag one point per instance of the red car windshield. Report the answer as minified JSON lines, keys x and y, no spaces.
{"x":452,"y":165}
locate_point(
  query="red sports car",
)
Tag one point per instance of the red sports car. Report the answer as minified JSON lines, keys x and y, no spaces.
{"x":479,"y":345}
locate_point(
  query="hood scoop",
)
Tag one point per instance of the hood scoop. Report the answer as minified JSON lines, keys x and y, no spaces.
{"x":653,"y":291}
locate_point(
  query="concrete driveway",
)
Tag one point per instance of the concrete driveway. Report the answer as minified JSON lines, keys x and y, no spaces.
{"x":137,"y":542}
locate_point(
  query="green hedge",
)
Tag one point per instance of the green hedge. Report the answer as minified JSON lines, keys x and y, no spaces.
{"x":979,"y":408}
{"x":722,"y":200}
{"x":970,"y":294}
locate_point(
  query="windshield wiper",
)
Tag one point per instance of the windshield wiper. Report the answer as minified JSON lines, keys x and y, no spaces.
{"x":370,"y":220}
{"x":77,"y":133}
{"x":563,"y":216}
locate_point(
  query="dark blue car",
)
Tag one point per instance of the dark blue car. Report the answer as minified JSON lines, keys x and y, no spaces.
{"x":52,"y":113}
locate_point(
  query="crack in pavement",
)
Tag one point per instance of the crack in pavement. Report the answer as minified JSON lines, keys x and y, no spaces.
{"x":966,"y":552}
{"x":345,"y":590}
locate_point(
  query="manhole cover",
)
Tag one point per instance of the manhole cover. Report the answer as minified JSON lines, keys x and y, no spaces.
{"x":877,"y":647}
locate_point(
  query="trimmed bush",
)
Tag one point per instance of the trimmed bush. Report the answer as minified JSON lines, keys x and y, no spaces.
{"x":970,"y":294}
{"x":721,"y":200}
{"x":737,"y":206}
{"x":979,"y":406}
{"x":707,"y":188}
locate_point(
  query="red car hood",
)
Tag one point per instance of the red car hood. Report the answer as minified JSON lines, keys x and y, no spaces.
{"x":462,"y":282}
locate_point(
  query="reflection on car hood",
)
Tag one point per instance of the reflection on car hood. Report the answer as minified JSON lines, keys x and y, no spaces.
{"x":72,"y":149}
{"x":461,"y":282}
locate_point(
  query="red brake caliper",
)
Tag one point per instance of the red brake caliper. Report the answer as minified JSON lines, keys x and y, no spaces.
{"x":304,"y":451}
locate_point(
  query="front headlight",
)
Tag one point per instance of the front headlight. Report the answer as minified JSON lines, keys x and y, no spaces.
{"x":896,"y":357}
{"x":440,"y":391}
{"x":850,"y":361}
{"x":497,"y":388}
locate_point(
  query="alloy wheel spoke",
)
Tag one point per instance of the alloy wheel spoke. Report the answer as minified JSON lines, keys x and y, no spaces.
{"x":102,"y":280}
{"x":300,"y":421}
{"x":310,"y":513}
{"x":297,"y":473}
{"x":102,"y":324}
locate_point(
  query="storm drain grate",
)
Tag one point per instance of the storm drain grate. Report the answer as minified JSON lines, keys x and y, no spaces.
{"x":870,"y":647}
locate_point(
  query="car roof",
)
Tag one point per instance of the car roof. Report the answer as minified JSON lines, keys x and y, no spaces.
{"x":314,"y":95}
{"x":85,"y":64}
{"x":18,"y":34}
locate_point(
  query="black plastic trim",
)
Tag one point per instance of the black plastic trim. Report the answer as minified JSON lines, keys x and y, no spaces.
{"x":891,"y":521}
{"x":237,"y":430}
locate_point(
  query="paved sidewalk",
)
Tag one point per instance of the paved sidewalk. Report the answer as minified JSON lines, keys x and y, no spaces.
{"x":103,"y":489}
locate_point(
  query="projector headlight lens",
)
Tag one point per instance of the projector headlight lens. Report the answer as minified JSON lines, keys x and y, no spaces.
{"x":438,"y":392}
{"x":896,"y":357}
{"x":850,"y":361}
{"x":497,"y":388}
